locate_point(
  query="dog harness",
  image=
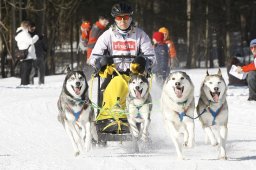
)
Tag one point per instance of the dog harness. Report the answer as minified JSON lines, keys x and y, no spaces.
{"x":77,"y":114}
{"x":182,"y":114}
{"x":215,"y":113}
{"x":138,"y":107}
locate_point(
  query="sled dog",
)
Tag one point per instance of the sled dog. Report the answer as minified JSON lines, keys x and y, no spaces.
{"x":213,"y":108}
{"x":75,"y":112}
{"x":177,"y":105}
{"x":139,"y":105}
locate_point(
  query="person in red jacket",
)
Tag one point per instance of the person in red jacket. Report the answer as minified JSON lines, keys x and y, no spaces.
{"x":84,"y":34}
{"x":97,"y":29}
{"x":251,"y":70}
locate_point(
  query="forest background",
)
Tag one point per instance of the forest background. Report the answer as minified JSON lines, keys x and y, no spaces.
{"x":206,"y":33}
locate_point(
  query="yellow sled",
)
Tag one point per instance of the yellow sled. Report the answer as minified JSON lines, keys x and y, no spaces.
{"x":111,"y":122}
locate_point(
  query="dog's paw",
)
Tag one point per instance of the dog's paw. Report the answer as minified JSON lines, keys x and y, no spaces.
{"x":88,"y":147}
{"x":190,"y":144}
{"x":180,"y":158}
{"x":214,"y":143}
{"x":76,"y":153}
{"x":185,"y":144}
{"x":102,"y":143}
{"x":135,"y":146}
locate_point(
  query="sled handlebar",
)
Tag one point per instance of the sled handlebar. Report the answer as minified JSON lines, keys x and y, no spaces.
{"x":124,"y":56}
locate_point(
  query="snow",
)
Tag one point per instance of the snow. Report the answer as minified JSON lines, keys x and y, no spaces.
{"x":32,"y":138}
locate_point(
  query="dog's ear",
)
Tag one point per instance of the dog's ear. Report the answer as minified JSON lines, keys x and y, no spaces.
{"x":219,"y":72}
{"x":68,"y":68}
{"x":207,"y":73}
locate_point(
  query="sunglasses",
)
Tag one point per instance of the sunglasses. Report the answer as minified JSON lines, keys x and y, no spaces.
{"x":125,"y":17}
{"x":253,"y":47}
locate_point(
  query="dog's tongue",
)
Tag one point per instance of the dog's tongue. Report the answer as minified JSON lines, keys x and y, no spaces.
{"x":215,"y":97}
{"x":138,"y":94}
{"x":178,"y":92}
{"x":77,"y":90}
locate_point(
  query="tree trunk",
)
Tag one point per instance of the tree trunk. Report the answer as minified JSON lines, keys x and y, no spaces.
{"x":228,"y":21}
{"x":188,"y":33}
{"x":12,"y":33}
{"x":71,"y":44}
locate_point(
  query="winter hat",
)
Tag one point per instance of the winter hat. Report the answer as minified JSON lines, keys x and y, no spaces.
{"x":85,"y":24}
{"x":164,"y":30}
{"x":158,"y":36}
{"x":253,"y":43}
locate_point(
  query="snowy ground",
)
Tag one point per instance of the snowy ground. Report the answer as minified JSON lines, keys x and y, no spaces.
{"x":31,"y":137}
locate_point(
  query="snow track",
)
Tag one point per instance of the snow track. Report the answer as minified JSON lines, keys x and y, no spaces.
{"x":32,"y":138}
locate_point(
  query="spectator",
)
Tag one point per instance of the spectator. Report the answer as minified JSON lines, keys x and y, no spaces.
{"x":173,"y":63}
{"x":25,"y":41}
{"x":41,"y":50}
{"x":97,"y":29}
{"x":251,"y":70}
{"x":84,"y":34}
{"x":160,"y":69}
{"x":233,"y":81}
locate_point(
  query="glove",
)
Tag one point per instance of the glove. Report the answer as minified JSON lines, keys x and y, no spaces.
{"x":239,"y":69}
{"x":101,"y":63}
{"x":138,"y":65}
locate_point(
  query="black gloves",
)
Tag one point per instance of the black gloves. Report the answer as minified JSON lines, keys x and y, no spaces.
{"x":140,"y":64}
{"x":101,"y":63}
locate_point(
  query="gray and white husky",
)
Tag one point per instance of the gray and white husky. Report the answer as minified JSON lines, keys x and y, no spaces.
{"x":213,"y":110}
{"x":139,"y":106}
{"x":75,"y":112}
{"x":178,"y":104}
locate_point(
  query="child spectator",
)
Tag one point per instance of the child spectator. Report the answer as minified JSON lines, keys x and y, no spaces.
{"x":173,"y":63}
{"x":161,"y":68}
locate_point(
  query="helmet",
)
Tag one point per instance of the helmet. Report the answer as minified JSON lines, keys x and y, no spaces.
{"x":121,"y":8}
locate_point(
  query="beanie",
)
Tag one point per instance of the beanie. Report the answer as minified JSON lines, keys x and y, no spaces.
{"x":253,"y":43}
{"x":164,"y":30}
{"x":158,"y":36}
{"x":85,"y":24}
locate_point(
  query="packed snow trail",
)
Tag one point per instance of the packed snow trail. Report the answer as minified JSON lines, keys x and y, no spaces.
{"x":32,"y":138}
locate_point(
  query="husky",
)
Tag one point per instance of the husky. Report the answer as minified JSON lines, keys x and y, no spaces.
{"x":178,"y":105}
{"x":212,"y":109}
{"x":139,"y":106}
{"x":75,"y":112}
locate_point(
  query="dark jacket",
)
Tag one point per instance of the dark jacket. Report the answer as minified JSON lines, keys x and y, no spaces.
{"x":41,"y":47}
{"x":162,"y":57}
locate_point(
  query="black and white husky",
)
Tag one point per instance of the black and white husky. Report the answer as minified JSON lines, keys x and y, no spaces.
{"x":178,"y":105}
{"x":139,"y":105}
{"x":76,"y":113}
{"x":213,"y":110}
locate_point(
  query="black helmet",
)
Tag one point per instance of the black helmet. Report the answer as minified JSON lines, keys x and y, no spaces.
{"x":121,"y":8}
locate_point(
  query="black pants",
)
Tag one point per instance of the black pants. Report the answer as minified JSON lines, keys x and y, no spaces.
{"x":39,"y":68}
{"x":251,"y":80}
{"x":25,"y":70}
